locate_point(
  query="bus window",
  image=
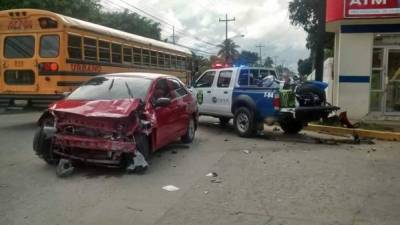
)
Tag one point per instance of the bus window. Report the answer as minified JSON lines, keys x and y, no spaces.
{"x":74,"y":47}
{"x":153,"y":58}
{"x":137,"y":56}
{"x":90,"y":49}
{"x":104,"y":51}
{"x":173,"y":62}
{"x":146,"y":57}
{"x":49,"y":46}
{"x":179,"y":62}
{"x":161,"y":59}
{"x":127,"y":55}
{"x":116,"y":53}
{"x":19,"y":47}
{"x":167,"y":61}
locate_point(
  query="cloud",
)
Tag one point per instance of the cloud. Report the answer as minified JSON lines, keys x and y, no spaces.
{"x":263,"y":22}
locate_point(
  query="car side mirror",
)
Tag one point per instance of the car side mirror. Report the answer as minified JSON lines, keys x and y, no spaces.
{"x":162,"y":102}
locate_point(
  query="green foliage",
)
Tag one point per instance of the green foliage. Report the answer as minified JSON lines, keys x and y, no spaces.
{"x":228,"y":50}
{"x":91,"y":10}
{"x":304,"y":67}
{"x":247,"y":58}
{"x":132,"y":23}
{"x":305,"y":14}
{"x":269,"y":62}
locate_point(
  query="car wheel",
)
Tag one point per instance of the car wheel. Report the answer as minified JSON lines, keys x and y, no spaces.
{"x":143,"y":146}
{"x":42,"y":145}
{"x":190,"y":132}
{"x":291,"y":126}
{"x":138,"y":164}
{"x":244,"y":122}
{"x":223,"y":121}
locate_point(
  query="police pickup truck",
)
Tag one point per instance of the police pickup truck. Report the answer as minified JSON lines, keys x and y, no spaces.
{"x":253,"y":96}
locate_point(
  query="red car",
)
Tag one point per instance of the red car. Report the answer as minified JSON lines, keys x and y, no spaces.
{"x":117,"y":120}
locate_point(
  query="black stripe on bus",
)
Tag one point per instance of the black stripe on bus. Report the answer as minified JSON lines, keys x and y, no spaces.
{"x":68,"y":73}
{"x":69,"y":83}
{"x":120,"y":65}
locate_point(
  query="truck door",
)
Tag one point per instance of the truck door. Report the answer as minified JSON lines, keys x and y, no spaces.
{"x":222,"y":95}
{"x":203,"y":91}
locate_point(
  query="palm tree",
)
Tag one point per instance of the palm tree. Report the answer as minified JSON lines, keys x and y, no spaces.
{"x":228,"y":50}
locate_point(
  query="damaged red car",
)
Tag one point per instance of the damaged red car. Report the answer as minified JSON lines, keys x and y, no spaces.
{"x":117,"y":120}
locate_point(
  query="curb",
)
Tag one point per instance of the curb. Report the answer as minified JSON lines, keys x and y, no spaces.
{"x":340,"y":131}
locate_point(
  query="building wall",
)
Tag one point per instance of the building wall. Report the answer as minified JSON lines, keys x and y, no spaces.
{"x":354,"y":62}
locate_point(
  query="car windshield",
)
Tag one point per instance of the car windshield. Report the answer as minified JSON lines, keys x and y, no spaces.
{"x":112,"y":88}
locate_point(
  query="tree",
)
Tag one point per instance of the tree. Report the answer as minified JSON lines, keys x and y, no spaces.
{"x":92,"y":11}
{"x":228,"y":50}
{"x":304,"y":67}
{"x":81,"y":9}
{"x":131,"y":23}
{"x":269,"y":62}
{"x":247,"y":58}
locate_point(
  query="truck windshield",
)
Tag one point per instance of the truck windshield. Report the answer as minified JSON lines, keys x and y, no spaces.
{"x":19,"y":47}
{"x":112,"y":88}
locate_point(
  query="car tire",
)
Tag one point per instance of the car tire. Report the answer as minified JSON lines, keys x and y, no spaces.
{"x":190,"y":132}
{"x":223,"y":121}
{"x":42,"y":146}
{"x":291,"y":126}
{"x":142,"y":146}
{"x":244,"y":122}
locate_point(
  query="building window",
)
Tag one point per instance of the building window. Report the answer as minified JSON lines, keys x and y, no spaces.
{"x":167,"y":61}
{"x":161,"y":58}
{"x":173,"y":62}
{"x":376,"y":91}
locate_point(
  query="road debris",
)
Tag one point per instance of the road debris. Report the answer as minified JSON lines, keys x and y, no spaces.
{"x":216,"y":181}
{"x":213,"y":174}
{"x":226,"y":140}
{"x":133,"y":209}
{"x":170,"y":188}
{"x":246,"y":151}
{"x":64,"y":168}
{"x":206,"y":192}
{"x":174,"y":152}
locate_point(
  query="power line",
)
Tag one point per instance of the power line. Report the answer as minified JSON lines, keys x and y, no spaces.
{"x":161,"y":21}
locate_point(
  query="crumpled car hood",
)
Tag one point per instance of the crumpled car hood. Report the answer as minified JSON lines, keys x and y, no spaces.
{"x":97,"y":108}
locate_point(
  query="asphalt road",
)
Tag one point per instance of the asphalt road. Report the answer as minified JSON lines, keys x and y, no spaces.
{"x":273,"y":179}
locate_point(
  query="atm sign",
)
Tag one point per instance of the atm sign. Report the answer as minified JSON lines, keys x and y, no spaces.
{"x":371,"y":8}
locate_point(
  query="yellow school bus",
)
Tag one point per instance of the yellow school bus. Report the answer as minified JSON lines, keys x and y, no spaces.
{"x":44,"y":54}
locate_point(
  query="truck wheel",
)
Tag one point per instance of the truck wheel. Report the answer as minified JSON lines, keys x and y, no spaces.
{"x":244,"y":122}
{"x":291,"y":126}
{"x":43,"y":147}
{"x":223,"y":121}
{"x":190,"y":133}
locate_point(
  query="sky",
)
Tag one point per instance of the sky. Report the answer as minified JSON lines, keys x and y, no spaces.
{"x":262,"y":22}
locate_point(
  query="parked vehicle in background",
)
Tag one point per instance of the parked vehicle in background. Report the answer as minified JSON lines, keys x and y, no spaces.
{"x":254,"y":96}
{"x":117,"y":120}
{"x":45,"y":54}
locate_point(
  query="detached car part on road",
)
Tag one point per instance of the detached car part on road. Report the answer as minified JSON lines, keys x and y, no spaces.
{"x":254,"y":96}
{"x":117,"y":120}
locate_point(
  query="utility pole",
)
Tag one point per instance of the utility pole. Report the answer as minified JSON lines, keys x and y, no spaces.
{"x":173,"y":34}
{"x":319,"y":54}
{"x":260,"y":46}
{"x":226,"y":20}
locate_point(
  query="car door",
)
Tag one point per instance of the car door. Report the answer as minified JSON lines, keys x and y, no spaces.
{"x":165,"y":115}
{"x":203,"y":92}
{"x":180,"y":107}
{"x":222,"y":93}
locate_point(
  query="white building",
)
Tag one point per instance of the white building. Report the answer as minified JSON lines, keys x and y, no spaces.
{"x":366,"y":65}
